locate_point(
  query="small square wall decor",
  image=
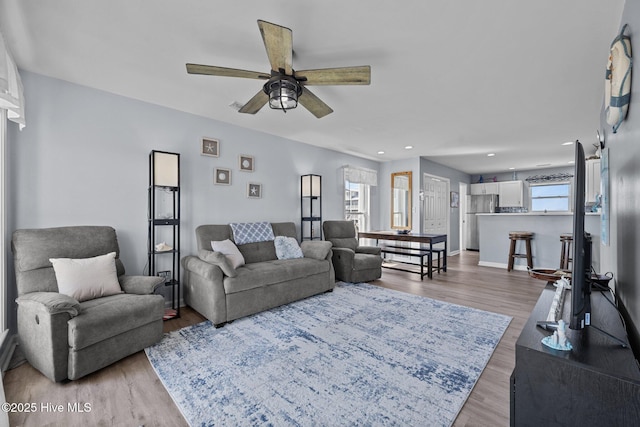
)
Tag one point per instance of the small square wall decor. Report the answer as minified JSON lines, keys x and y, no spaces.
{"x":246,"y":163}
{"x":254,"y":191}
{"x":210,"y":147}
{"x":222,"y":176}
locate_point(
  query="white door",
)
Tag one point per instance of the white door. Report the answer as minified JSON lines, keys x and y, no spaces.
{"x":435,"y":205}
{"x":463,"y":215}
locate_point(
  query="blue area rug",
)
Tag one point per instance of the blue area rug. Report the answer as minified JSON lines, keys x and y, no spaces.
{"x":361,"y":355}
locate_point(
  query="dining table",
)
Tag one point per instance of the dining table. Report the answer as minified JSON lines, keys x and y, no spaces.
{"x":426,"y":241}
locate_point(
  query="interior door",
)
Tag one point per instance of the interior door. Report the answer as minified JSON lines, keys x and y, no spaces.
{"x":436,"y":205}
{"x":463,"y":215}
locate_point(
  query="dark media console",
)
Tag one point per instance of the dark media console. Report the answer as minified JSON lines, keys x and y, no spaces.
{"x":595,"y":384}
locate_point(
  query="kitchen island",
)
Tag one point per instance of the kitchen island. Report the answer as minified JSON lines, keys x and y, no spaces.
{"x":545,"y":246}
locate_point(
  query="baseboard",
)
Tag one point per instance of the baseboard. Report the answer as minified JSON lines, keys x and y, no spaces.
{"x":167,"y":304}
{"x":501,"y":265}
{"x":454,"y":253}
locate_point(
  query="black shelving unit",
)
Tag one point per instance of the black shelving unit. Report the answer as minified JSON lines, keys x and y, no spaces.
{"x":164,"y":223}
{"x":311,"y":207}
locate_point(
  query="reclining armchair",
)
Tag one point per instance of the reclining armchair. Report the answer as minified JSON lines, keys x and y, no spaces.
{"x":64,"y":337}
{"x":353,"y":263}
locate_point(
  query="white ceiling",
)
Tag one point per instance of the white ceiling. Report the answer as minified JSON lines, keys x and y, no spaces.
{"x":455,"y":79}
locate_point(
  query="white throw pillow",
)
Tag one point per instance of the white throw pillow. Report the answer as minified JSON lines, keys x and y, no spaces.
{"x":230,"y":250}
{"x":87,"y":278}
{"x":287,"y":248}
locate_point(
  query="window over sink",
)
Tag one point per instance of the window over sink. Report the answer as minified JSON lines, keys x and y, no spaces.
{"x":550,"y":197}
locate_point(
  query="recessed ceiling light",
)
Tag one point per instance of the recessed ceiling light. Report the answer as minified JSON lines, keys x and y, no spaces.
{"x":380,"y":152}
{"x":511,"y":169}
{"x":408,"y":147}
{"x":491,"y":154}
{"x":571,"y":162}
{"x":568,"y":143}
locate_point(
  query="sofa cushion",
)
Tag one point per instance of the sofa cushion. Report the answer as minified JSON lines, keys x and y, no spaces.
{"x":103,"y":318}
{"x":230,"y":250}
{"x":259,"y":274}
{"x":287,"y":248}
{"x":32,"y":249}
{"x":366,"y":261}
{"x":87,"y":278}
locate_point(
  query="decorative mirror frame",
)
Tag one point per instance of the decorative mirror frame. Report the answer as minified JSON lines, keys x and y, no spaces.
{"x":409,"y":175}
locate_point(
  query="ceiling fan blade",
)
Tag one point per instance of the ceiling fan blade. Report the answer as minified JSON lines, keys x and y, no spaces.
{"x":336,"y":76}
{"x":314,"y":104}
{"x":212,"y":70}
{"x":255,"y":104}
{"x":278,"y":41}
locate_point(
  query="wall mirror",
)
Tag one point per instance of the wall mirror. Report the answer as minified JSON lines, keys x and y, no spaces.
{"x":401,"y":200}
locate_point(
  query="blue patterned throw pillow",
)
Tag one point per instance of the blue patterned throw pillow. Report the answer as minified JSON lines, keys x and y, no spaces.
{"x":287,"y":248}
{"x":251,"y":232}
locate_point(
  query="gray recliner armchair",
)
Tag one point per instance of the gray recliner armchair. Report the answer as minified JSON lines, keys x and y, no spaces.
{"x":64,"y":338}
{"x":353,"y":263}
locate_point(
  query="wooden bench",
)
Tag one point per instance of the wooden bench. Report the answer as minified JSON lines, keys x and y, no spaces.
{"x":414,"y":252}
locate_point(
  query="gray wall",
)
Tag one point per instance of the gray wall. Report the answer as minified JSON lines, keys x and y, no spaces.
{"x":623,"y":254}
{"x":420,"y":166}
{"x":83,"y":159}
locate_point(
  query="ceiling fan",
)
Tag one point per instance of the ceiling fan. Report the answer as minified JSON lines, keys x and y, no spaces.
{"x":284,"y":86}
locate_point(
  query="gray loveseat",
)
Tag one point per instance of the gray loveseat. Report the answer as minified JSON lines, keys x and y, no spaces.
{"x":262,"y":283}
{"x":62,"y":337}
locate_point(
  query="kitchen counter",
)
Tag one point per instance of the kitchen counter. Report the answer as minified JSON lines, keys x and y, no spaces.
{"x":547,"y":227}
{"x":538,"y":214}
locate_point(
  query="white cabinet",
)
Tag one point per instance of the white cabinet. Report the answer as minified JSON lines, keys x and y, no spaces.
{"x":592,"y":180}
{"x":511,"y":194}
{"x":484,"y":188}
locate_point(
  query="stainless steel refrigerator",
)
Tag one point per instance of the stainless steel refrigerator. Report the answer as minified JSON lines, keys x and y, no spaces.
{"x":483,"y":203}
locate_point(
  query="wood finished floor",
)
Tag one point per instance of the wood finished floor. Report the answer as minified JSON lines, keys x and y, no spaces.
{"x":128,"y":393}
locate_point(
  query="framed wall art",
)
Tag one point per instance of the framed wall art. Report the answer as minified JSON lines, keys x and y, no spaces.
{"x":254,"y":191}
{"x":246,"y":163}
{"x":454,"y":199}
{"x":222,"y":176}
{"x":210,"y":147}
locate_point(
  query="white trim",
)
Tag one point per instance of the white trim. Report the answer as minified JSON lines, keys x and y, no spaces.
{"x":501,"y":265}
{"x":3,"y":220}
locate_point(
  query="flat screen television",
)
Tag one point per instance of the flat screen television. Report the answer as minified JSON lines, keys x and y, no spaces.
{"x":581,"y":272}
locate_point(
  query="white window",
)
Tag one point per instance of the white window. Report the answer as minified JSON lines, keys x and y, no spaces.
{"x":357,"y":190}
{"x":550,"y":197}
{"x":356,"y":204}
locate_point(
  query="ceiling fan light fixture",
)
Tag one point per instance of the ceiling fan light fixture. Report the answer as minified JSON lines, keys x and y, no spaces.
{"x":283,"y":92}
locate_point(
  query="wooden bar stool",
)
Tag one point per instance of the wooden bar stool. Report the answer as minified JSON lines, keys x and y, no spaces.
{"x":566,"y":239}
{"x":514,"y":236}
